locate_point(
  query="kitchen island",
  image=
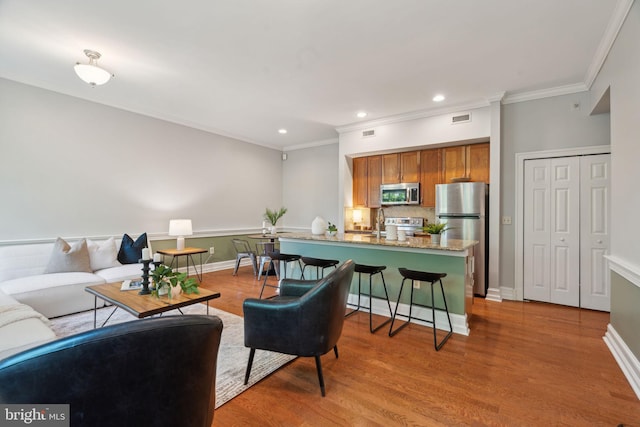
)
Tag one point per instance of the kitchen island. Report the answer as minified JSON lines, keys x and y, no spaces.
{"x":454,"y":257}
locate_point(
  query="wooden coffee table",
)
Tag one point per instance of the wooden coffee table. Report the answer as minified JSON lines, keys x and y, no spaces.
{"x":144,"y":305}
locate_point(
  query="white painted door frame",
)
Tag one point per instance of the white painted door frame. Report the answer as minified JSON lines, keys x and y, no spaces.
{"x":519,"y":208}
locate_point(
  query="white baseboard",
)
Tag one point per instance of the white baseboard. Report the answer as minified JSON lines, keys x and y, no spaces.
{"x":627,"y":361}
{"x":508,"y":293}
{"x":494,"y":294}
{"x":459,"y":322}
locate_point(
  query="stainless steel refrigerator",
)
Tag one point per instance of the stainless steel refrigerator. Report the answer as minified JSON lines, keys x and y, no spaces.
{"x":464,"y":207}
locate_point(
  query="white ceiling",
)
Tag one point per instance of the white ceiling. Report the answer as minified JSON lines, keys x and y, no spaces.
{"x":246,"y":68}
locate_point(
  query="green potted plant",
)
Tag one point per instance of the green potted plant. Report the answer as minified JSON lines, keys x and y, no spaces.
{"x":332,"y":229}
{"x":274,"y":216}
{"x":167,"y":281}
{"x":435,"y":230}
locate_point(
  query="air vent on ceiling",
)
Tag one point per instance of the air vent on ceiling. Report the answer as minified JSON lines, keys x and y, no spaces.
{"x":461,"y":118}
{"x":368,"y":133}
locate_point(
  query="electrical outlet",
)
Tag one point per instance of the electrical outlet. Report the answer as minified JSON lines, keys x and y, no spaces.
{"x":506,"y":220}
{"x":212,"y":250}
{"x":416,"y":284}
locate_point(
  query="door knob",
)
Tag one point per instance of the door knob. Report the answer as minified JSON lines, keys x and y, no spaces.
{"x":599,"y":242}
{"x":562,"y":239}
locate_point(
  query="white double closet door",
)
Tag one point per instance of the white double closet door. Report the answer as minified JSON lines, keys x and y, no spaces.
{"x":566,"y":231}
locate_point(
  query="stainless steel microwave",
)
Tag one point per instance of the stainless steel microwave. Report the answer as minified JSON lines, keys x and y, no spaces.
{"x":400,"y":194}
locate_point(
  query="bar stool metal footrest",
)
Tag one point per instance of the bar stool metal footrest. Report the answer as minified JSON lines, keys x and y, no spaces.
{"x":432,"y":279}
{"x":371,"y":270}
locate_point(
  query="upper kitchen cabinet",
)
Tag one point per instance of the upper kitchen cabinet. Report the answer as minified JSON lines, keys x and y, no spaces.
{"x":360,"y":181}
{"x":374,"y":168}
{"x":401,"y":167}
{"x":454,"y":163}
{"x":470,"y":162}
{"x":430,"y":175}
{"x":367,"y":177}
{"x":478,"y":162}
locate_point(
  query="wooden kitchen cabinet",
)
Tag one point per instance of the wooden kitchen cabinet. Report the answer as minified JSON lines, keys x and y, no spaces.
{"x":478,"y":162}
{"x":410,"y":166}
{"x":430,"y":175}
{"x":360,"y":181}
{"x":401,"y":167}
{"x":391,"y":168}
{"x":374,"y":168}
{"x":466,"y":161}
{"x":454,"y":163}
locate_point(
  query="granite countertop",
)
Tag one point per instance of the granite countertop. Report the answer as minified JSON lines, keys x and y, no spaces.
{"x":370,"y":239}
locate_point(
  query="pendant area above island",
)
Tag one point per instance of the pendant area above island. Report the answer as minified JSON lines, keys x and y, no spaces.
{"x":454,"y":257}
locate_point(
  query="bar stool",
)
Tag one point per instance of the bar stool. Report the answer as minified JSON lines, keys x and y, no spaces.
{"x":318,"y":263}
{"x":274,"y":260}
{"x":371,"y":270}
{"x":432,"y":278}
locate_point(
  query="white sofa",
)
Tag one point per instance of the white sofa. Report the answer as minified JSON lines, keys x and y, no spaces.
{"x":23,"y":281}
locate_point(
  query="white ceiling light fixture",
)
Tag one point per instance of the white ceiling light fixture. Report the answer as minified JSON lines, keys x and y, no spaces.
{"x":282,"y":131}
{"x":361,"y":114}
{"x":91,"y":73}
{"x":438,"y":98}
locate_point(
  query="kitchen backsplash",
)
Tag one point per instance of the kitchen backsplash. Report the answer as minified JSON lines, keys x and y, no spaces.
{"x":369,"y":215}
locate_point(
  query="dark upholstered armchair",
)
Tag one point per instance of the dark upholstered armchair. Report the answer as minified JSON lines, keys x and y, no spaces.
{"x":154,"y":372}
{"x":304,"y":320}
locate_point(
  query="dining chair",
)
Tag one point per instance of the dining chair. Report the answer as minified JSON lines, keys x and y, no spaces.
{"x":243,"y":250}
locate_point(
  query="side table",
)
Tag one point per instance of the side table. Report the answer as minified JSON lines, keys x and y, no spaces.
{"x":188,"y":253}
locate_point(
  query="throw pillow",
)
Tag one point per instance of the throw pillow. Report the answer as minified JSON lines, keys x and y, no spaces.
{"x":130,"y":251}
{"x":66,"y":258}
{"x":103,"y":254}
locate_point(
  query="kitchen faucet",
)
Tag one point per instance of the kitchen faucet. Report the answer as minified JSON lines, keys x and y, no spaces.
{"x":379,"y":222}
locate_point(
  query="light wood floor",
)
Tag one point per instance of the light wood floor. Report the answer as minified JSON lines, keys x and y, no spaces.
{"x":524,"y":364}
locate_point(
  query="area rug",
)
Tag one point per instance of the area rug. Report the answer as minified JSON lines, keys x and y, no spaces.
{"x":232,"y":356}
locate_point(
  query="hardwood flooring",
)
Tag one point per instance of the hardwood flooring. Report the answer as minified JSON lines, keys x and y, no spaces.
{"x":524,"y":364}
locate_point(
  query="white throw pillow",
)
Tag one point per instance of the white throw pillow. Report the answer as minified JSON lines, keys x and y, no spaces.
{"x":65,"y":258}
{"x":103,"y":254}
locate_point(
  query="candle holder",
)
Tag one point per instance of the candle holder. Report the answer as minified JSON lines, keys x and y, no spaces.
{"x":145,"y":276}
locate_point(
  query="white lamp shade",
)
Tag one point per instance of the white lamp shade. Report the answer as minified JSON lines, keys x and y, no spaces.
{"x":180,"y":227}
{"x":92,"y":74}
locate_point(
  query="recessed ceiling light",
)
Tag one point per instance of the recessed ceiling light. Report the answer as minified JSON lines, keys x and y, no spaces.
{"x":362,"y":114}
{"x":438,"y":98}
{"x":282,"y":131}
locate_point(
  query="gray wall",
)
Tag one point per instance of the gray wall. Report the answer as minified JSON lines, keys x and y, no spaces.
{"x":621,"y":73}
{"x":73,"y":168}
{"x":544,"y":124}
{"x":310,"y":186}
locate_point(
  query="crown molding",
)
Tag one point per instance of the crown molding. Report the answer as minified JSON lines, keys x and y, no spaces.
{"x":545,"y":93}
{"x":311,"y":144}
{"x":420,"y":114}
{"x":497,"y":97}
{"x":606,"y":43}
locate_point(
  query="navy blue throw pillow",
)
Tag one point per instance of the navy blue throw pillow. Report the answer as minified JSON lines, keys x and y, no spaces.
{"x":131,"y":252}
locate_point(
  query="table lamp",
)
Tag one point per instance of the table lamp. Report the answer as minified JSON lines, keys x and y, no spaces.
{"x":180,"y":228}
